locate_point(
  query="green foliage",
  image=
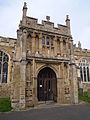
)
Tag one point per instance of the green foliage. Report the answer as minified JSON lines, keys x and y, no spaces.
{"x":5,"y":104}
{"x":84,"y":97}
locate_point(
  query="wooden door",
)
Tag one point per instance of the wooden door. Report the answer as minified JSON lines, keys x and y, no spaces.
{"x":46,"y":87}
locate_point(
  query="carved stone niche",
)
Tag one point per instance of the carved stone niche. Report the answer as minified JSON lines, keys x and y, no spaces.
{"x":28,"y":93}
{"x":66,"y":90}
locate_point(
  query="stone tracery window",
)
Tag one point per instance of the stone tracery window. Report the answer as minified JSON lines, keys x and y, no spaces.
{"x":84,"y":70}
{"x":4,"y":58}
{"x":81,"y":73}
{"x":51,"y":42}
{"x":43,"y":40}
{"x":47,"y":41}
{"x":88,"y":76}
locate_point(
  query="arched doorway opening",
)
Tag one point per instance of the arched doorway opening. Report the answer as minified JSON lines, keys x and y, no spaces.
{"x":47,"y":85}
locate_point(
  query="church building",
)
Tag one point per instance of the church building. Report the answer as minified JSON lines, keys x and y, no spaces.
{"x":42,"y":64}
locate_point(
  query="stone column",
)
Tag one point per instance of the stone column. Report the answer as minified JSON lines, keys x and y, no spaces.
{"x":35,"y":92}
{"x":67,"y":46}
{"x":23,"y":72}
{"x":68,"y":67}
{"x":71,"y":50}
{"x":58,"y":90}
{"x":74,"y":84}
{"x":33,"y":43}
{"x":22,"y":84}
{"x":60,"y":84}
{"x":40,"y":43}
{"x":24,"y":39}
{"x":73,"y":70}
{"x":55,"y":45}
{"x":61,"y":46}
{"x":34,"y":84}
{"x":18,"y":45}
{"x":15,"y":88}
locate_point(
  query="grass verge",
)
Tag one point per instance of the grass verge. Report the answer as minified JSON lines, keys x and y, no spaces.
{"x":84,"y":97}
{"x":5,"y":104}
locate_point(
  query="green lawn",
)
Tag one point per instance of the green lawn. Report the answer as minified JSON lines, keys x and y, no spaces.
{"x":5,"y":104}
{"x":84,"y":97}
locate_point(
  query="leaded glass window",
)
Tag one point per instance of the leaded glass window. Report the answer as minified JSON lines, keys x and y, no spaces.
{"x":81,"y":73}
{"x":84,"y":70}
{"x":88,"y":73}
{"x":43,"y":41}
{"x":51,"y":42}
{"x":48,"y":41}
{"x":3,"y":67}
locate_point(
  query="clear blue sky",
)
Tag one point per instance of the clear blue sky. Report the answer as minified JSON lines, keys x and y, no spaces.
{"x":78,"y":10}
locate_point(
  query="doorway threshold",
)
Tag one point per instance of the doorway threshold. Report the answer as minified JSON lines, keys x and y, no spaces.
{"x":46,"y":102}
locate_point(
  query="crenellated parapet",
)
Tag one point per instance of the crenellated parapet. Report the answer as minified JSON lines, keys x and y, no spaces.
{"x":10,"y":42}
{"x":46,"y":26}
{"x":80,"y":52}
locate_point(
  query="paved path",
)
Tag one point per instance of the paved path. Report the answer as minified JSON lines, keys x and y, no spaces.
{"x":74,"y":112}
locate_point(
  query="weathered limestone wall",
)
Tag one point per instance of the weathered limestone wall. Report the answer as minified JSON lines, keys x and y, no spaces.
{"x":7,"y":45}
{"x":15,"y":85}
{"x":5,"y":90}
{"x":29,"y":85}
{"x":86,"y":86}
{"x":82,"y":54}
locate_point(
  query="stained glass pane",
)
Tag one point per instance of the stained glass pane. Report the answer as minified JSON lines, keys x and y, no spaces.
{"x":5,"y":72}
{"x":47,"y":41}
{"x":51,"y":42}
{"x":43,"y":40}
{"x":81,"y":73}
{"x":84,"y":74}
{"x":88,"y":74}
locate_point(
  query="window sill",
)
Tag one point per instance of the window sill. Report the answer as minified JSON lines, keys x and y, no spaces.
{"x":86,"y":82}
{"x":1,"y":84}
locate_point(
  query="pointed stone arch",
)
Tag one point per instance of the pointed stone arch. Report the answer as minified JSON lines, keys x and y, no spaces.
{"x":46,"y":84}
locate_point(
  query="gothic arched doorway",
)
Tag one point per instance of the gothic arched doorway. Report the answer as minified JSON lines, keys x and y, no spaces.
{"x":47,"y":85}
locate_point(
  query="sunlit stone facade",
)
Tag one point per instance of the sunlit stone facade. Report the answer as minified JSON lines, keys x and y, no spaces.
{"x":43,"y":64}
